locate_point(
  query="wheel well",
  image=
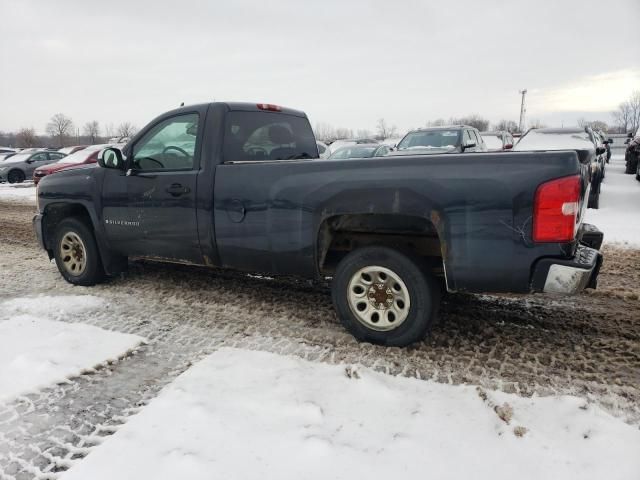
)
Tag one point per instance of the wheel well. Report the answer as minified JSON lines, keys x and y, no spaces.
{"x":57,"y":212}
{"x":342,"y":234}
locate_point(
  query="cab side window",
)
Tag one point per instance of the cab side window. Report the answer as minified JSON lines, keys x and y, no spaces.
{"x":170,"y":145}
{"x":468,"y":139}
{"x":39,"y":157}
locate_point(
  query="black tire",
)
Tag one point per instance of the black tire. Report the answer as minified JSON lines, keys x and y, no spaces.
{"x":423,"y":292}
{"x":93,"y":272}
{"x":15,"y":176}
{"x":638,"y":171}
{"x":631,"y":165}
{"x":594,"y":196}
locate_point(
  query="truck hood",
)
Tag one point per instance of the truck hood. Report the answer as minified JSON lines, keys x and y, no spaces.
{"x":56,"y":167}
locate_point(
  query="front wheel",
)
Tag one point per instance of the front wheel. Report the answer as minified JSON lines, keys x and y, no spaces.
{"x":382,"y":296}
{"x":16,"y":176}
{"x":76,"y":253}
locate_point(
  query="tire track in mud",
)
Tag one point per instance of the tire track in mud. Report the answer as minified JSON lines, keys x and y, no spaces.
{"x":588,"y":345}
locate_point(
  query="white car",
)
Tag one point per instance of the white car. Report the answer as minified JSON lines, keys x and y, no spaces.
{"x":323,"y":149}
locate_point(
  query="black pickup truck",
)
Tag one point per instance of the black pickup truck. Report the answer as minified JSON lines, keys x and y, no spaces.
{"x":238,"y":185}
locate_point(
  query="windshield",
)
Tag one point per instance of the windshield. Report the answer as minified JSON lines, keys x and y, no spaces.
{"x":254,"y":136}
{"x":493,"y":142}
{"x":431,"y":139}
{"x":353,"y":152}
{"x":554,"y":141}
{"x":18,"y":157}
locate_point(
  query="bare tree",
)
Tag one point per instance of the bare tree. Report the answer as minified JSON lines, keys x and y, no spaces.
{"x":26,"y":138}
{"x":506,"y":125}
{"x":634,"y":107}
{"x":110,"y":130}
{"x":438,"y":122}
{"x":473,"y":120}
{"x":594,"y":124}
{"x":324,"y":132}
{"x":385,"y":131}
{"x":92,"y":130}
{"x":622,"y":117}
{"x":60,"y":127}
{"x":536,"y":124}
{"x":363,"y":133}
{"x":342,"y":132}
{"x":126,"y":129}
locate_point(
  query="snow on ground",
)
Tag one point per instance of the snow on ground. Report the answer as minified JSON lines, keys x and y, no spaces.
{"x":18,"y":192}
{"x":242,"y":414}
{"x":619,"y":213}
{"x":37,"y":351}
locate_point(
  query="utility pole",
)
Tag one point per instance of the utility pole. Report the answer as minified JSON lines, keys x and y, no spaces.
{"x":522,"y":111}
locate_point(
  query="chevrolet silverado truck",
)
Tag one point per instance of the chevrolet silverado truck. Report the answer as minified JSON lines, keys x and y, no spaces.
{"x":240,"y":186}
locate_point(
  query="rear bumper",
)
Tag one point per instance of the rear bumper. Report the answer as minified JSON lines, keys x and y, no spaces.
{"x":571,"y":276}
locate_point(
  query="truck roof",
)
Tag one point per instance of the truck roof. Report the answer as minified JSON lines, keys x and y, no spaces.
{"x":443,"y":127}
{"x":243,"y":107}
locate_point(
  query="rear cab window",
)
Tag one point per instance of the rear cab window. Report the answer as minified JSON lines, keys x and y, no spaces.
{"x":267,"y":136}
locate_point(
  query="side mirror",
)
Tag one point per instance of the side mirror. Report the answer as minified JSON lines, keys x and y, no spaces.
{"x":508,"y":146}
{"x":610,"y":141}
{"x":600,"y":150}
{"x":468,"y":145}
{"x":111,"y":158}
{"x":29,"y":161}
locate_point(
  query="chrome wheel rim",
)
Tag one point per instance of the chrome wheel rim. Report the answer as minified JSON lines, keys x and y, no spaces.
{"x":73,"y":254}
{"x":378,"y":298}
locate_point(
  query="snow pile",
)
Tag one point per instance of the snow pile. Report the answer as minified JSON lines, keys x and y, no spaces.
{"x":36,"y":351}
{"x":18,"y":192}
{"x":619,"y":213}
{"x":253,"y":415}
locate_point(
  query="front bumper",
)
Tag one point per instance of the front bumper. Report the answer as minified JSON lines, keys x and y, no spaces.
{"x":572,"y":275}
{"x":37,"y":228}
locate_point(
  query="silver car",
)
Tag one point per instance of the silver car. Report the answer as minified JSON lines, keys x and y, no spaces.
{"x":19,"y":167}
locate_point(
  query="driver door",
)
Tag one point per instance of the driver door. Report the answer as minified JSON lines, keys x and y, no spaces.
{"x":161,"y":190}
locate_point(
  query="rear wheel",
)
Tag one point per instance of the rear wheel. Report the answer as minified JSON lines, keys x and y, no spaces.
{"x":15,"y":176}
{"x":382,"y":296}
{"x":76,"y":253}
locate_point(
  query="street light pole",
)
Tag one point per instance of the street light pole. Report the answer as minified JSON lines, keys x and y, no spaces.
{"x":522,"y":110}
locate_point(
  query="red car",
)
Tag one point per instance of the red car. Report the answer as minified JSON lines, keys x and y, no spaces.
{"x":81,"y":157}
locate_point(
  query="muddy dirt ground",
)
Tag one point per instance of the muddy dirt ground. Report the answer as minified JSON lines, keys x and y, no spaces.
{"x":587,"y":345}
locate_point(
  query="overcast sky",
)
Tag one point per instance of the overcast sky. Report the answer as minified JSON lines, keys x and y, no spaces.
{"x":344,"y":63}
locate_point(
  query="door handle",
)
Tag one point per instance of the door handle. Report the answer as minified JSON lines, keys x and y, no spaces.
{"x":176,"y":189}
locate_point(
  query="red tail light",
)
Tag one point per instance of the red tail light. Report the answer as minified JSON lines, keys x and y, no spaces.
{"x":269,"y":107}
{"x":555,"y":210}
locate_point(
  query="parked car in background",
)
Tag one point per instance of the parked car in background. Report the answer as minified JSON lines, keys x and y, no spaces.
{"x":579,"y":139}
{"x":72,"y":149}
{"x":4,"y":150}
{"x":497,"y":141}
{"x":345,"y":142}
{"x":81,"y":157}
{"x":366,"y":150}
{"x":606,"y":142}
{"x":4,"y":156}
{"x":323,"y":149}
{"x":632,"y":157}
{"x":451,"y":139}
{"x":19,"y":167}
